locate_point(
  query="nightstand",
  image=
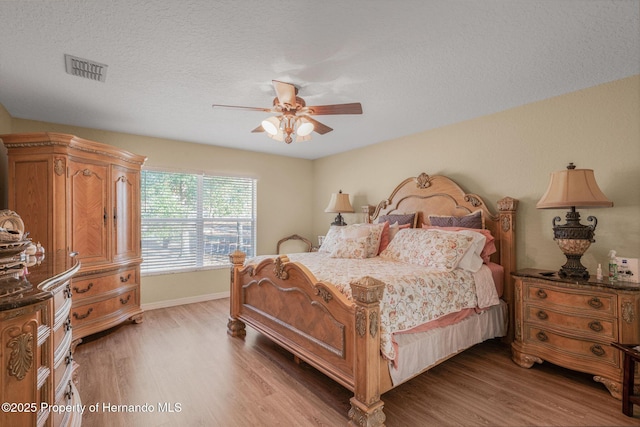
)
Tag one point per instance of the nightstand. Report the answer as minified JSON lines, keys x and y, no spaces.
{"x":573,"y":323}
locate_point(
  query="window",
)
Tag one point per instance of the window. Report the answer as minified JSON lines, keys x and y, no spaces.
{"x":194,"y":221}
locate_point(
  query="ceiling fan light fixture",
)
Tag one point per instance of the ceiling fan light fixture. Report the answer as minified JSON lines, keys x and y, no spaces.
{"x":271,"y":125}
{"x":305,"y":127}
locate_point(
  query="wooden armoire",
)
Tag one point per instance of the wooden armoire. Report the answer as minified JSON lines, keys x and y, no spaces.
{"x":76,"y":195}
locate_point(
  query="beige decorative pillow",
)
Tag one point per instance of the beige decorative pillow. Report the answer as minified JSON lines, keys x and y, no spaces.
{"x":351,"y":247}
{"x":337,"y":235}
{"x":436,"y":249}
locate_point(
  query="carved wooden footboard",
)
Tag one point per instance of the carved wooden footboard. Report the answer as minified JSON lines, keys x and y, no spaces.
{"x":340,"y":338}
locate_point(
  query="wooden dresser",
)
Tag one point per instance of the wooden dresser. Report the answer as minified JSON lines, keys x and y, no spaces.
{"x":572,"y":324}
{"x":83,"y":196}
{"x":35,"y":330}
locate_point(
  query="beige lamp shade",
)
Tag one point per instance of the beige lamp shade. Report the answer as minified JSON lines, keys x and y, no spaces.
{"x":339,"y":203}
{"x":573,"y":188}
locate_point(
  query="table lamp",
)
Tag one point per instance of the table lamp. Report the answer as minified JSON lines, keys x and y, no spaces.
{"x":573,"y":188}
{"x":339,"y":204}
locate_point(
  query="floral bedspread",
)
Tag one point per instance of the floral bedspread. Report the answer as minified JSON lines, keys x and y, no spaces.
{"x":413,"y":294}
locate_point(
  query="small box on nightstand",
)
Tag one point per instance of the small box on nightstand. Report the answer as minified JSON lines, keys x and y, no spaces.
{"x":628,"y":269}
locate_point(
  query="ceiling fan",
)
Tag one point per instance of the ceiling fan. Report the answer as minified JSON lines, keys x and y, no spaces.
{"x":293,"y":116}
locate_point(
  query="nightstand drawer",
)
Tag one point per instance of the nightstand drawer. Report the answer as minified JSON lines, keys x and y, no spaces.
{"x":576,"y":349}
{"x":598,"y":327}
{"x":574,"y":300}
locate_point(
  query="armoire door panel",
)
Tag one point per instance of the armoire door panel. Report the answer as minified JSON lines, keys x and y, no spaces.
{"x":89,"y":214}
{"x":34,"y":206}
{"x":126,"y":192}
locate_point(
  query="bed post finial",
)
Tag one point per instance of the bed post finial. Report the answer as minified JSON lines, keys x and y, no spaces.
{"x":367,"y":211}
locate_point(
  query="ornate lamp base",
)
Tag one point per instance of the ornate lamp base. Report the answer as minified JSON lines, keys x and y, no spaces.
{"x":574,"y":239}
{"x":339,"y":220}
{"x":573,"y":249}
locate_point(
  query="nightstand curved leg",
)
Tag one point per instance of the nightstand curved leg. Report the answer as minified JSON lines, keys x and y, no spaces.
{"x":523,"y":360}
{"x":614,"y":387}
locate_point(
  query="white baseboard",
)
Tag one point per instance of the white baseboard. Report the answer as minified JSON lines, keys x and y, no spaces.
{"x":182,"y":301}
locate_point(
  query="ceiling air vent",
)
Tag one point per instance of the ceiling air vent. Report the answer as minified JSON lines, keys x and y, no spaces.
{"x":85,"y":68}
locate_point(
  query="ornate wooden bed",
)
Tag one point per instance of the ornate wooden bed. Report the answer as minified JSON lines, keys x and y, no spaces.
{"x":339,"y":337}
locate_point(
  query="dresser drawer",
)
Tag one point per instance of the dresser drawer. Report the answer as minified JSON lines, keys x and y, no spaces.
{"x":61,"y":300}
{"x":598,"y":327}
{"x":573,"y":300}
{"x":67,"y":397}
{"x":83,"y":288}
{"x":581,"y":351}
{"x":62,"y":338}
{"x":101,"y":310}
{"x":63,"y":372}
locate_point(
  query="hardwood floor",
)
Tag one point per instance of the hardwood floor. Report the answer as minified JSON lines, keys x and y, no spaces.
{"x":183,"y":366}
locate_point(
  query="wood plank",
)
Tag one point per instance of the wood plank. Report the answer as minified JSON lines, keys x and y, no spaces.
{"x":184,"y":355}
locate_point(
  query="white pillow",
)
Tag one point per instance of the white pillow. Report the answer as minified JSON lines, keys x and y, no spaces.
{"x":330,"y":240}
{"x":471,"y":260}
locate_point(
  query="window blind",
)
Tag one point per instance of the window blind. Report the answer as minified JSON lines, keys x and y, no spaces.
{"x":194,"y":221}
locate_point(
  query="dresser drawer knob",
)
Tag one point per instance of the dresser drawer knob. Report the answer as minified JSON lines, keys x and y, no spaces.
{"x":542,"y":336}
{"x":541,"y":294}
{"x":125,"y":279}
{"x":595,"y":326}
{"x":123,"y":301}
{"x":597,"y":350}
{"x":542,"y":315}
{"x":69,"y":358}
{"x":595,"y":302}
{"x":77,"y":290}
{"x":67,"y":324}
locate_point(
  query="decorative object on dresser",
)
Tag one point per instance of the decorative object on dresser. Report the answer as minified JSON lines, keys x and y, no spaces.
{"x":83,"y":196}
{"x":339,"y":203}
{"x":37,"y":367}
{"x":573,"y":188}
{"x":573,"y":323}
{"x":343,"y":328}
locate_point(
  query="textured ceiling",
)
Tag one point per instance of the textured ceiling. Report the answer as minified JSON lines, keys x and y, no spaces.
{"x":414,"y":65}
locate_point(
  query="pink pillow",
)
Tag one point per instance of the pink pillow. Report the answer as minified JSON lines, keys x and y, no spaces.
{"x":384,"y":237}
{"x":489,"y":246}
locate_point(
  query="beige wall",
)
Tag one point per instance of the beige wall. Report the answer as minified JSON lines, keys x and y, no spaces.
{"x":512,"y":153}
{"x":275,"y":190}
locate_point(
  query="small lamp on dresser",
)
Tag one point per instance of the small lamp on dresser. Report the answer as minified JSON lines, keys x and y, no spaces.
{"x":571,"y":188}
{"x":339,"y":204}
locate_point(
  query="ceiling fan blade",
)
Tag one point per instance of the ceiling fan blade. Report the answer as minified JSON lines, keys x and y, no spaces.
{"x":286,"y":93}
{"x":258,"y":129}
{"x":237,"y":107}
{"x":352,"y":108}
{"x":319,"y":127}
